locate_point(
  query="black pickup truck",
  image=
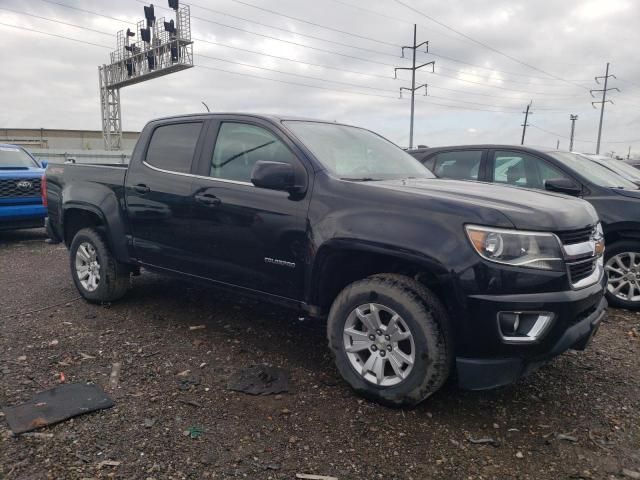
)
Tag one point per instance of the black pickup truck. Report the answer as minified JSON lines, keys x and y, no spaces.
{"x":419,"y":278}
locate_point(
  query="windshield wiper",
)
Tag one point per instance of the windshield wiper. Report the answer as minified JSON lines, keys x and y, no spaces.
{"x":361,"y":179}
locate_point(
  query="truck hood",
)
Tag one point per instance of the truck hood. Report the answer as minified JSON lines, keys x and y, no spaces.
{"x":7,"y":172}
{"x":526,"y":209}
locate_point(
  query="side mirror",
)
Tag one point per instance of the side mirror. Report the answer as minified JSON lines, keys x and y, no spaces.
{"x":44,"y":163}
{"x":563,"y":185}
{"x":274,"y":176}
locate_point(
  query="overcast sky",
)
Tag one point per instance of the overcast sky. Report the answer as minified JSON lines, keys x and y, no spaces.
{"x":51,"y":82}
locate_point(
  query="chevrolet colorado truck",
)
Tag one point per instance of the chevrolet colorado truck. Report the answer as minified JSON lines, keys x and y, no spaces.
{"x":419,"y":279}
{"x":22,"y":189}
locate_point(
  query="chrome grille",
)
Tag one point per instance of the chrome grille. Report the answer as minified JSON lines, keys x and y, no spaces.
{"x":581,"y":270}
{"x":19,"y":187}
{"x":575,"y":236}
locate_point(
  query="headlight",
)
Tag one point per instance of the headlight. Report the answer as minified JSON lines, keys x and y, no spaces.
{"x":518,"y":248}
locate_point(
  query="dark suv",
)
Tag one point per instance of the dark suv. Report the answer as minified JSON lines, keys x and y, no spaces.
{"x":616,"y":199}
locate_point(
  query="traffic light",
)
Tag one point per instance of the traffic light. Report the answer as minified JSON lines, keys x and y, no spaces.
{"x":149,"y":15}
{"x":174,"y":4}
{"x":145,"y":34}
{"x":130,"y":33}
{"x":170,"y":27}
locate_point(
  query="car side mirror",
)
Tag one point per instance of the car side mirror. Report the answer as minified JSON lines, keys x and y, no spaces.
{"x":563,"y":185}
{"x":274,"y":176}
{"x":44,"y":163}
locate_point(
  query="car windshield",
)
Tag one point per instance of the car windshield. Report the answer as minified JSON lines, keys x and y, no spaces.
{"x":593,"y":172}
{"x":618,"y":166}
{"x":14,"y":157}
{"x":353,"y":153}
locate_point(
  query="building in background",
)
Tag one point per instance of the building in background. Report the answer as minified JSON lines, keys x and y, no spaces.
{"x":61,"y":145}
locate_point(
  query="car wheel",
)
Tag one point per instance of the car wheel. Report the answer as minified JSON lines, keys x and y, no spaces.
{"x":622,"y":264}
{"x":98,"y":276}
{"x":389,"y":336}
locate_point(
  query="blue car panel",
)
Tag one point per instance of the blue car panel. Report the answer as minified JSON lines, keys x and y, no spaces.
{"x":21,"y":180}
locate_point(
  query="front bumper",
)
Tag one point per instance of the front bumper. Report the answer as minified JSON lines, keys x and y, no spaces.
{"x":22,"y":216}
{"x":578,"y":316}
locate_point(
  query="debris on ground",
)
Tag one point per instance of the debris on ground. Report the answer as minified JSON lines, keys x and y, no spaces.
{"x":194,"y":432}
{"x":55,"y":405}
{"x":631,"y":474}
{"x":309,"y":476}
{"x":114,"y":377}
{"x":260,"y":380}
{"x":564,"y":436}
{"x":197,"y":327}
{"x":108,"y":463}
{"x":487,"y":440}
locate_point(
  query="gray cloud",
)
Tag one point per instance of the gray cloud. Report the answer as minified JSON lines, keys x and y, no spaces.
{"x":52,"y":83}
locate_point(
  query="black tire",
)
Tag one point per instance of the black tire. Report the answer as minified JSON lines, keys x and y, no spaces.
{"x":426,"y":319}
{"x":611,"y":251}
{"x":115,"y":277}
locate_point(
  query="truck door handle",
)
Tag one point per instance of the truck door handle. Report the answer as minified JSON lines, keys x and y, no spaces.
{"x":141,"y":188}
{"x":208,"y":199}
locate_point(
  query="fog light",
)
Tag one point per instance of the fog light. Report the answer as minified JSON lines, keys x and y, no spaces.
{"x":523,"y":327}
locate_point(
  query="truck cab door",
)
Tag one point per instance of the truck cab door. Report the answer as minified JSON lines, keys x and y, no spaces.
{"x":158,"y":190}
{"x":244,"y":235}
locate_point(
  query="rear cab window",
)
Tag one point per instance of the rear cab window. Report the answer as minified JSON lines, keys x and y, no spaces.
{"x":172,"y":146}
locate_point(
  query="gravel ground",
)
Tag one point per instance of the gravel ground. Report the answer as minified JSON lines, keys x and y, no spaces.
{"x":578,"y":417}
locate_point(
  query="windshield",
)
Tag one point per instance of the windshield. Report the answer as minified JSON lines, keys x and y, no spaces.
{"x":353,"y":153}
{"x":14,"y":157}
{"x":618,"y":166}
{"x":593,"y":172}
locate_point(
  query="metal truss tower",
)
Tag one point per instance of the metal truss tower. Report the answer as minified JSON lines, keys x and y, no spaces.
{"x":162,"y":48}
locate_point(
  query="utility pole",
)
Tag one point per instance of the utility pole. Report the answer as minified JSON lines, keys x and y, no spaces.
{"x":525,"y":124}
{"x":629,"y":153}
{"x":413,"y":69}
{"x":603,"y":101}
{"x":573,"y":119}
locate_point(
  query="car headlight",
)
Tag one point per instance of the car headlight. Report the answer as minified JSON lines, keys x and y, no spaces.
{"x":518,"y":248}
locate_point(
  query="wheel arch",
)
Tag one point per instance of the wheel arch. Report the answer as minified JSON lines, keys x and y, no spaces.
{"x":339,"y":263}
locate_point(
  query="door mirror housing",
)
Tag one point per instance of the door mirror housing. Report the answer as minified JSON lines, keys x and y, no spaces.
{"x":563,"y":185}
{"x":274,"y":176}
{"x":44,"y":163}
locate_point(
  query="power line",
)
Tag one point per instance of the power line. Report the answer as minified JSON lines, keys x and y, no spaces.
{"x":54,"y":35}
{"x":286,"y":30}
{"x":489,"y":47}
{"x":56,"y":21}
{"x":578,"y":139}
{"x":332,"y":52}
{"x":312,"y":23}
{"x":269,"y":55}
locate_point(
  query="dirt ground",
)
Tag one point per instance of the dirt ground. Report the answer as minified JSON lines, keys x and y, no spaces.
{"x":578,"y":417}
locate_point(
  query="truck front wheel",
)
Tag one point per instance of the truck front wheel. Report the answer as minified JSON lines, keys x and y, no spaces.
{"x":390,"y":340}
{"x":622,"y":264}
{"x":98,"y":276}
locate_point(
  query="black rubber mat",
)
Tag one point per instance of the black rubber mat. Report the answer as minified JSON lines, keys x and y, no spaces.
{"x":55,"y":405}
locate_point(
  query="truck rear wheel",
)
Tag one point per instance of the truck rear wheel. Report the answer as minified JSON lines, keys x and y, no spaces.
{"x":390,"y":340}
{"x":98,"y":276}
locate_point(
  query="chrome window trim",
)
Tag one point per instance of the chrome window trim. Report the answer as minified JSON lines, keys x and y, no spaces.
{"x":181,"y":174}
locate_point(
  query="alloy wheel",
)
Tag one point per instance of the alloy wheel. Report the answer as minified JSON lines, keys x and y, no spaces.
{"x":379,"y":344}
{"x":87,"y":266}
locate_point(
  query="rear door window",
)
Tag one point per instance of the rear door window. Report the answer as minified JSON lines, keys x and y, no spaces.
{"x":523,"y":170}
{"x":172,"y":146}
{"x":459,"y":165}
